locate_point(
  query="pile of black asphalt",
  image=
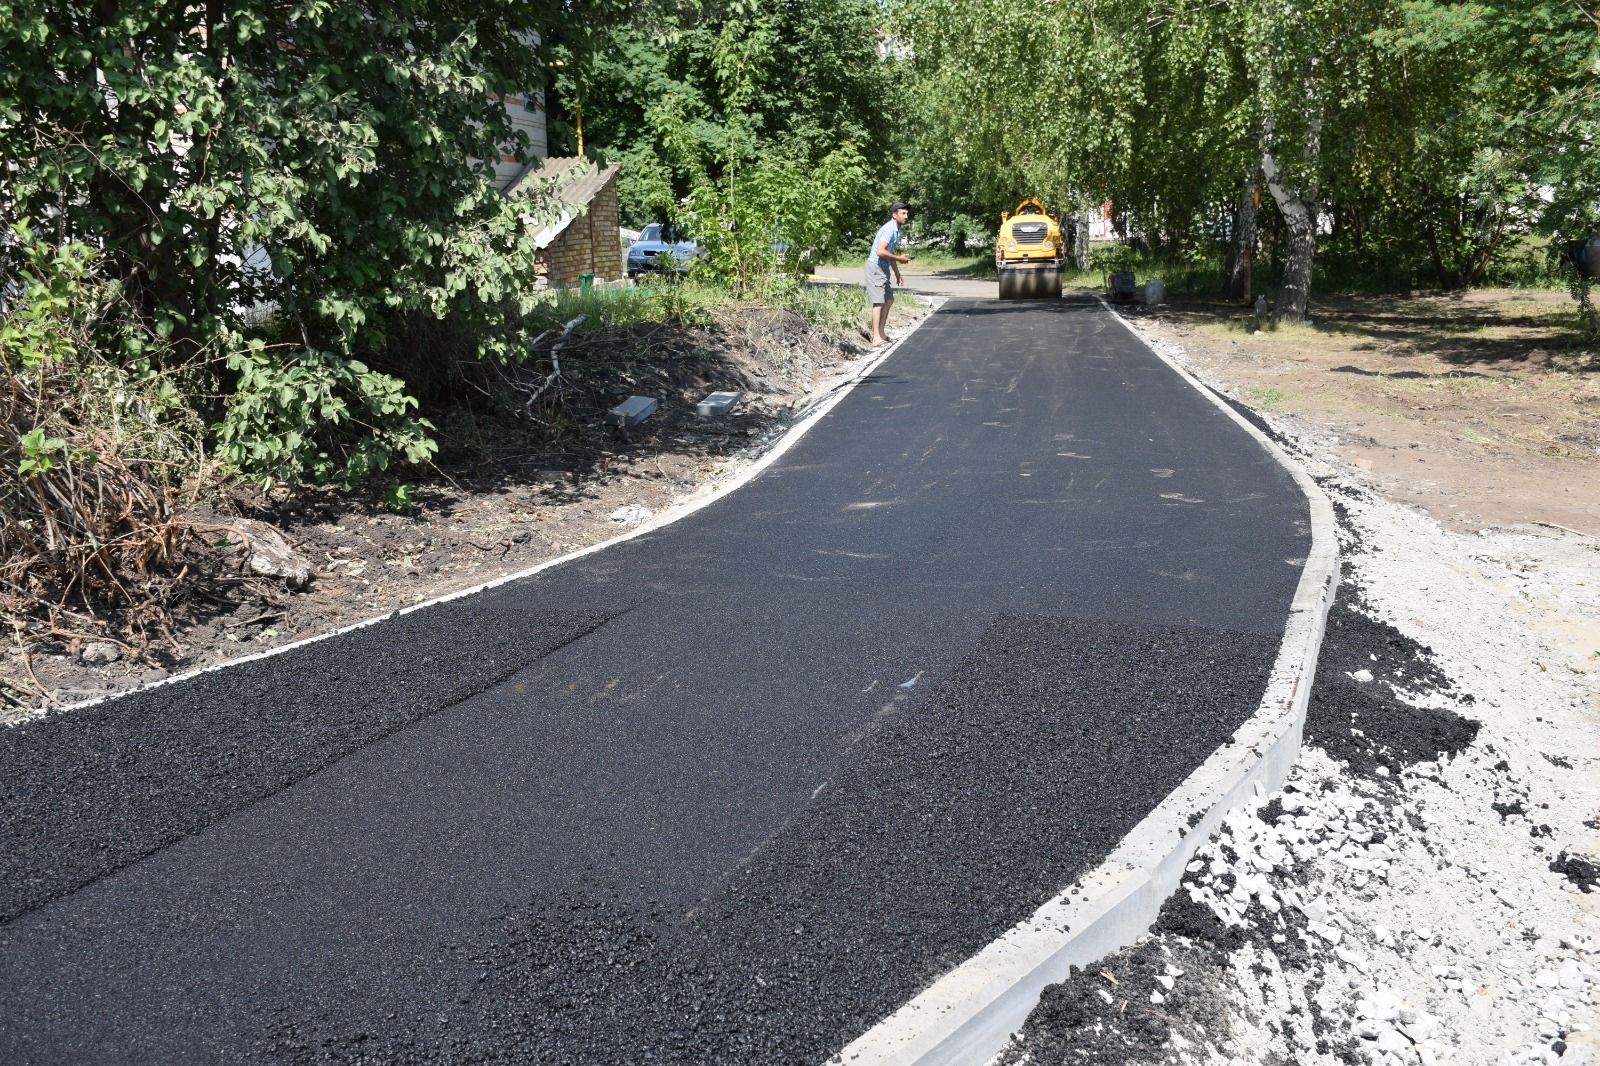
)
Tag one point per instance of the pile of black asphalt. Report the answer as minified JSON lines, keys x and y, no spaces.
{"x":731,"y":791}
{"x":1355,"y":714}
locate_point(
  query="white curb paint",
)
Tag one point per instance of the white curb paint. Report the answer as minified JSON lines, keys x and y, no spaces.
{"x":968,"y":1015}
{"x":702,"y":497}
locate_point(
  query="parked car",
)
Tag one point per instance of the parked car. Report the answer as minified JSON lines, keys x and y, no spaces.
{"x":658,"y":248}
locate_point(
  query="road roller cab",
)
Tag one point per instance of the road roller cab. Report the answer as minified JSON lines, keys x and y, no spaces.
{"x":1029,"y":252}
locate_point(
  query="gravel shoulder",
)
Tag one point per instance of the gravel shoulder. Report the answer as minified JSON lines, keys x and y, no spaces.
{"x":1424,"y":888}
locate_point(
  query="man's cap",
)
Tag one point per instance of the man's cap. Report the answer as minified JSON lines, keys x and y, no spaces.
{"x":899,"y":205}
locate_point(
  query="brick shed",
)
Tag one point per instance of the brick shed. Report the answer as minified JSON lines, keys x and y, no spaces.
{"x":586,"y":239}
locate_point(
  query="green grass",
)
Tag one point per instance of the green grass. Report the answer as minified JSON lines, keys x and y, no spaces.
{"x":690,"y":301}
{"x":976,"y":264}
{"x":1082,"y":280}
{"x":656,"y":300}
{"x":1182,"y":278}
{"x":836,"y":308}
{"x":1265,"y":397}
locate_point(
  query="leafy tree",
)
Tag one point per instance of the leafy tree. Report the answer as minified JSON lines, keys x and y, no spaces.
{"x":326,"y":163}
{"x":1406,"y":135}
{"x":821,"y":83}
{"x":1037,"y":100}
{"x":1311,"y":66}
{"x":691,"y":95}
{"x":1504,"y":138}
{"x":606,"y":61}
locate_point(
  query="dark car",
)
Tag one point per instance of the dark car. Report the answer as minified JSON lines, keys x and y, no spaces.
{"x":659,"y":249}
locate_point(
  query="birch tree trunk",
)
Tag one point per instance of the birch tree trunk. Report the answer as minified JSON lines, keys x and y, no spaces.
{"x":1299,"y":209}
{"x":1081,"y":245}
{"x":1295,"y":292}
{"x":1242,"y":248}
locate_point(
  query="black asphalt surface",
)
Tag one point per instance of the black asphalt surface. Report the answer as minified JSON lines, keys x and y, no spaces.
{"x":729,"y":792}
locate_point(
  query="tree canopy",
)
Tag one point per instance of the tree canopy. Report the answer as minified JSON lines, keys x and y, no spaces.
{"x":1423,"y":140}
{"x":677,"y":87}
{"x":280,"y":191}
{"x":331,"y":162}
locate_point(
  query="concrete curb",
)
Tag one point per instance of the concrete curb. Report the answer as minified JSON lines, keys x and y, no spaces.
{"x":696,"y":500}
{"x":967,"y":1015}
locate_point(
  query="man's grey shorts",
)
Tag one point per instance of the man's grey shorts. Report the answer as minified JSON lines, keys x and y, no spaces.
{"x":879,"y":288}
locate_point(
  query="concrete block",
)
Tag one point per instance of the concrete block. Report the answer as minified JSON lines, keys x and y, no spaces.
{"x":632,"y":411}
{"x":717,"y":405}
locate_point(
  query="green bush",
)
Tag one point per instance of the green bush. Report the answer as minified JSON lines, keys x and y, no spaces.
{"x":835,"y":308}
{"x":70,"y":340}
{"x":329,"y":162}
{"x":1529,"y":264}
{"x":772,"y":217}
{"x":97,"y":446}
{"x":318,"y":416}
{"x":656,"y":298}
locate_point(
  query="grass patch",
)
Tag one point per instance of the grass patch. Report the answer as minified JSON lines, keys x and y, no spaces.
{"x":837,"y":309}
{"x":1238,"y":321}
{"x":1265,"y":398}
{"x":1318,"y":326}
{"x":664,"y":299}
{"x":1083,"y":280}
{"x":942,"y":261}
{"x":1182,"y":278}
{"x":1234,"y":322}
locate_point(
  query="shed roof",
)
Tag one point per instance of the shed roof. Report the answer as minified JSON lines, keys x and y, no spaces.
{"x":577,"y":182}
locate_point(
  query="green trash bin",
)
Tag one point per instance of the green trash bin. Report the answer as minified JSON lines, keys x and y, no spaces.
{"x":586,"y":283}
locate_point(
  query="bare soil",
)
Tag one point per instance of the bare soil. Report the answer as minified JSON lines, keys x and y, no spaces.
{"x":1479,"y":408}
{"x":506,"y":494}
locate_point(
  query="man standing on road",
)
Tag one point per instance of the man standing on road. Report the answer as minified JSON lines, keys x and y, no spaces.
{"x":880,"y":261}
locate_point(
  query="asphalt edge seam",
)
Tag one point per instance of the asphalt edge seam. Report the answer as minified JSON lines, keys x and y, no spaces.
{"x":968,"y":1015}
{"x":698,"y":499}
{"x":330,"y":760}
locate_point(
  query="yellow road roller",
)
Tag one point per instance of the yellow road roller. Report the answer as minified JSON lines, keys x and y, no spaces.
{"x":1029,"y":253}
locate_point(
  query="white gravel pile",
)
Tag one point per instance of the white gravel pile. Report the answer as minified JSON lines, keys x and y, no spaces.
{"x":1413,"y":960}
{"x":1435,"y":929}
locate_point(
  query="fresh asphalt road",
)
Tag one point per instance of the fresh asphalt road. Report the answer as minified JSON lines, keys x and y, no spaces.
{"x":728,"y":792}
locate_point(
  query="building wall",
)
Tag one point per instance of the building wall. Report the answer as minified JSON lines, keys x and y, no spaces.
{"x":527,"y":115}
{"x":590,"y":244}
